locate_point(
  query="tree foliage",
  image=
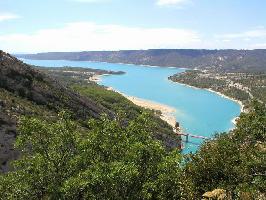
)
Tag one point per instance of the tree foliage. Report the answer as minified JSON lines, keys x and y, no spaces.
{"x":109,"y":161}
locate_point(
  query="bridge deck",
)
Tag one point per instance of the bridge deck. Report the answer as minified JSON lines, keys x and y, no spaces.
{"x":191,"y":135}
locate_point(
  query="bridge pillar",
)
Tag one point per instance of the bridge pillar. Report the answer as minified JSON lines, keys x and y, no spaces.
{"x":187,"y":138}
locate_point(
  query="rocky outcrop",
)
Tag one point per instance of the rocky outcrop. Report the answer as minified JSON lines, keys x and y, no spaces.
{"x":7,"y":135}
{"x":217,"y":194}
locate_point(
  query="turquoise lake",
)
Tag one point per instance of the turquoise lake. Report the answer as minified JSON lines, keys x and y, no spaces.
{"x":199,"y":112}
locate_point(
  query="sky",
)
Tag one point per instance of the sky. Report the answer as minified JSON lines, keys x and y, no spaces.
{"x":30,"y":26}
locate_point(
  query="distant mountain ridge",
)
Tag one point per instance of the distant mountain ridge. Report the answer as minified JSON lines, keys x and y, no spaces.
{"x":223,"y":60}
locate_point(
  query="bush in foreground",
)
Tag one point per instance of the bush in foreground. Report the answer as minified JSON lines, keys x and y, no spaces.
{"x":107,"y":162}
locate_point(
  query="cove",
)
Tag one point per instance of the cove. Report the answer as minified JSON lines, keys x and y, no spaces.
{"x":199,"y":111}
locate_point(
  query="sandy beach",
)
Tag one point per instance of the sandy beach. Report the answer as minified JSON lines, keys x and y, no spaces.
{"x":167,"y":112}
{"x":95,"y":78}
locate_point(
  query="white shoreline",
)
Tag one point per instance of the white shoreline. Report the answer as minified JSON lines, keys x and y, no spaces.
{"x":167,"y":112}
{"x":213,"y":91}
{"x":230,"y":98}
{"x":97,"y":77}
{"x":234,"y":120}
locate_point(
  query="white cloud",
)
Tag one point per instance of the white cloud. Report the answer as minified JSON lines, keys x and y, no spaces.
{"x":249,"y":39}
{"x":246,"y":35}
{"x":172,"y":2}
{"x":90,"y":36}
{"x":259,"y":46}
{"x":226,"y":40}
{"x":7,"y":16}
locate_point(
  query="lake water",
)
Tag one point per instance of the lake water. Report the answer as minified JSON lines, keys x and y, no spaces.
{"x":199,"y":111}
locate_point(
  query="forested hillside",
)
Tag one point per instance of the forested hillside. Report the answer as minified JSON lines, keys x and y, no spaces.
{"x":241,"y":86}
